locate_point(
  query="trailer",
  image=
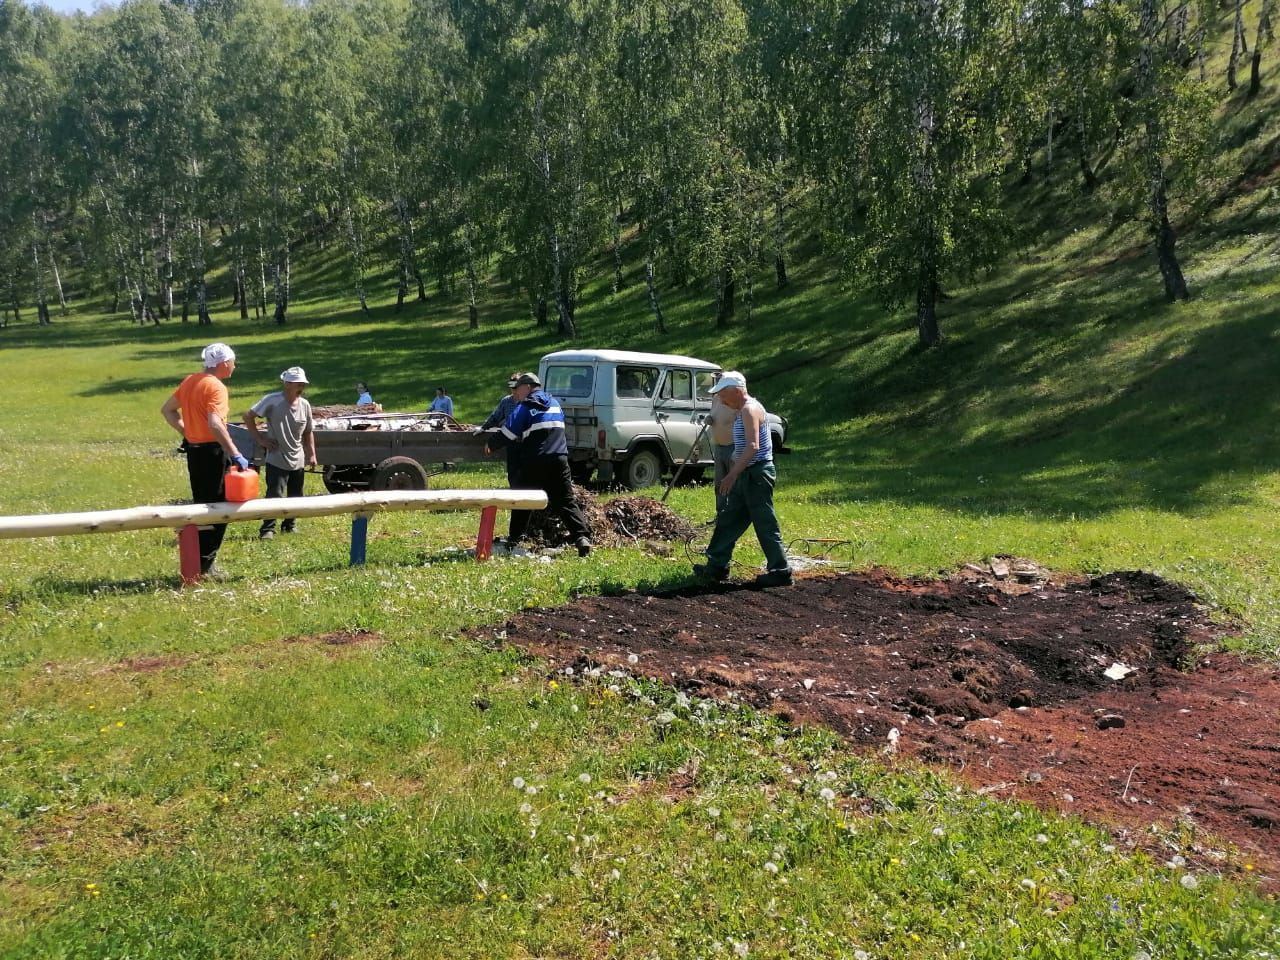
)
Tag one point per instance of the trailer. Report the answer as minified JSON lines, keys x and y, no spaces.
{"x":381,"y":451}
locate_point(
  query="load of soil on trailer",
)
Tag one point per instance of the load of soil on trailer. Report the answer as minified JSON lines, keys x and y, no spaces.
{"x":622,"y":520}
{"x":1089,"y":697}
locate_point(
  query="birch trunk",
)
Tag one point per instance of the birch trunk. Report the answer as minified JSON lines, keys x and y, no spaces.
{"x":1260,"y":39}
{"x":1175,"y":285}
{"x":779,"y":236}
{"x":725,"y":286}
{"x":402,"y":287}
{"x":202,"y":293}
{"x":617,"y":249}
{"x":42,"y":305}
{"x":166,"y":284}
{"x":356,"y":241}
{"x":927,"y":328}
{"x":1087,"y":174}
{"x":469,"y":251}
{"x":57,"y":277}
{"x":1237,"y":42}
{"x":282,"y":295}
{"x":659,"y":321}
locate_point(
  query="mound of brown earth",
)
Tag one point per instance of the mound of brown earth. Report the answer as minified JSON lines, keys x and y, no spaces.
{"x":625,"y":519}
{"x":1087,"y":696}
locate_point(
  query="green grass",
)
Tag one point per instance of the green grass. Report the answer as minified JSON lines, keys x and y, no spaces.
{"x":245,"y":795}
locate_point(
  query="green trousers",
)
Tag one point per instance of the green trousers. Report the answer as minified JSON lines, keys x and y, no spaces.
{"x":750,"y":504}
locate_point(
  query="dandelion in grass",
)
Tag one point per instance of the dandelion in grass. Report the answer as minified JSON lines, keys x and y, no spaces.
{"x":1027,"y":884}
{"x":665,"y":718}
{"x":518,"y":783}
{"x":584,"y":778}
{"x":770,"y":867}
{"x":632,"y":658}
{"x":827,"y":794}
{"x":1189,"y":882}
{"x":939,"y":833}
{"x":741,"y":948}
{"x":861,"y":955}
{"x":1042,"y":838}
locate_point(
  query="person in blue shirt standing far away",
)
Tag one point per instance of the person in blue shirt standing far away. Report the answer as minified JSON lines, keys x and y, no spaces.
{"x":443,"y":403}
{"x":536,"y":429}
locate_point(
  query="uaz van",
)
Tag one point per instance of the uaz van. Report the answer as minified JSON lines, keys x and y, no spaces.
{"x":633,"y":417}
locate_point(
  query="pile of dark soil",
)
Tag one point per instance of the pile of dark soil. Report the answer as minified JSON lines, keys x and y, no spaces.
{"x":623,"y":520}
{"x":644,"y":518}
{"x":1085,"y":696}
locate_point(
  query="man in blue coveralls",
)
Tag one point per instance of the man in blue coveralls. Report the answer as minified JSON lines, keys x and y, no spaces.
{"x":535,"y":428}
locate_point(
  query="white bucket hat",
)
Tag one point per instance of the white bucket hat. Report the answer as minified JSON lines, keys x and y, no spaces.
{"x":294,"y":375}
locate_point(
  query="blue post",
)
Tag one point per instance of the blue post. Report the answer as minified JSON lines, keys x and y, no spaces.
{"x":359,"y":534}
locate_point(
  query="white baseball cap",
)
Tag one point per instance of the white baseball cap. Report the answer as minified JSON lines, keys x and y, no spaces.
{"x":216,"y":353}
{"x":294,"y":375}
{"x":730,"y":378}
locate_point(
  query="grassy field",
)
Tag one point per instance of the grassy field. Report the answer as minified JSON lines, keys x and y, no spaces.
{"x":185,"y":774}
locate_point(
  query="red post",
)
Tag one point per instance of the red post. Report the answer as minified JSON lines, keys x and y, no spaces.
{"x":484,"y":542}
{"x":189,"y":554}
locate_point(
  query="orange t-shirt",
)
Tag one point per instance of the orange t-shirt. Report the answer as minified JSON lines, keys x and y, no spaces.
{"x":199,"y":395}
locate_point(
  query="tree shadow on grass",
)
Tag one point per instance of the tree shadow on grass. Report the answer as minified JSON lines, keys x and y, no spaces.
{"x":1190,"y":434}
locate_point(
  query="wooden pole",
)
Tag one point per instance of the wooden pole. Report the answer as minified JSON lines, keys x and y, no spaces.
{"x":287,"y":508}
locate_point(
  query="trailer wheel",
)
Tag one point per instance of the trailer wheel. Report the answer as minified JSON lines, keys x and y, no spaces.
{"x":642,"y":469}
{"x":400,"y":473}
{"x":347,"y":479}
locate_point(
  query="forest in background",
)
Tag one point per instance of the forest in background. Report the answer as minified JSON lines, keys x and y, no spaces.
{"x":147,"y":147}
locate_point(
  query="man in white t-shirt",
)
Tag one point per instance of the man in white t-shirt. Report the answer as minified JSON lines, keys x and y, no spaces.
{"x":289,"y":441}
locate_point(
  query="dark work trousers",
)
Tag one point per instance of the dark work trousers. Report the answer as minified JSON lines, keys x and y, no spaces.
{"x":207,"y":468}
{"x":550,"y":474}
{"x":750,"y":504}
{"x":282,"y":483}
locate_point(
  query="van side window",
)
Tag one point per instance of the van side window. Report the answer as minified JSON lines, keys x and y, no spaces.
{"x":636,"y":381}
{"x":570,"y":381}
{"x":677,"y":387}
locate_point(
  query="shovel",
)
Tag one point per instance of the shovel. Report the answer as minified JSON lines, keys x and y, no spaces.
{"x":680,"y":469}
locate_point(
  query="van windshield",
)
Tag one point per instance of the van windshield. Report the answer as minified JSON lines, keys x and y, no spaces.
{"x":570,"y":381}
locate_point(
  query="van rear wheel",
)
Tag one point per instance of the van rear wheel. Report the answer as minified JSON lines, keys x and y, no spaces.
{"x":643,"y":469}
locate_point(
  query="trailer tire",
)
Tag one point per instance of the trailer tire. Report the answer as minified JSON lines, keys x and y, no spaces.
{"x":642,"y":469}
{"x":400,"y":473}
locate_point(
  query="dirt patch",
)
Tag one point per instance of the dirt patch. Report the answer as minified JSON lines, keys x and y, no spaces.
{"x":1084,"y":696}
{"x":339,"y":638}
{"x":151,"y":664}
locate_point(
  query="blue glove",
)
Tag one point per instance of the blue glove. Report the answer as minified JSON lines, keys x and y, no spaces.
{"x":241,"y":462}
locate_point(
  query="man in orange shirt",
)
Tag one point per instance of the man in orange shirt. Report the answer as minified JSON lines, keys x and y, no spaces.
{"x":198,"y":411}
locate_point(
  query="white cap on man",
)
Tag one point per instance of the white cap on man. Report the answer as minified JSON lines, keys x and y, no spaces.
{"x":294,"y":375}
{"x":730,"y":378}
{"x":216,"y":353}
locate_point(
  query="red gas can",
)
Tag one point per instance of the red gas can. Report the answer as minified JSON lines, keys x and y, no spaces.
{"x":241,"y":485}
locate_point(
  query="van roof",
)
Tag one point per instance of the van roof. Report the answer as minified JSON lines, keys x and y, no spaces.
{"x":629,"y":356}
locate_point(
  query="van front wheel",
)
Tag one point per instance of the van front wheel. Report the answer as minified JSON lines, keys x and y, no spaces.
{"x":643,"y":469}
